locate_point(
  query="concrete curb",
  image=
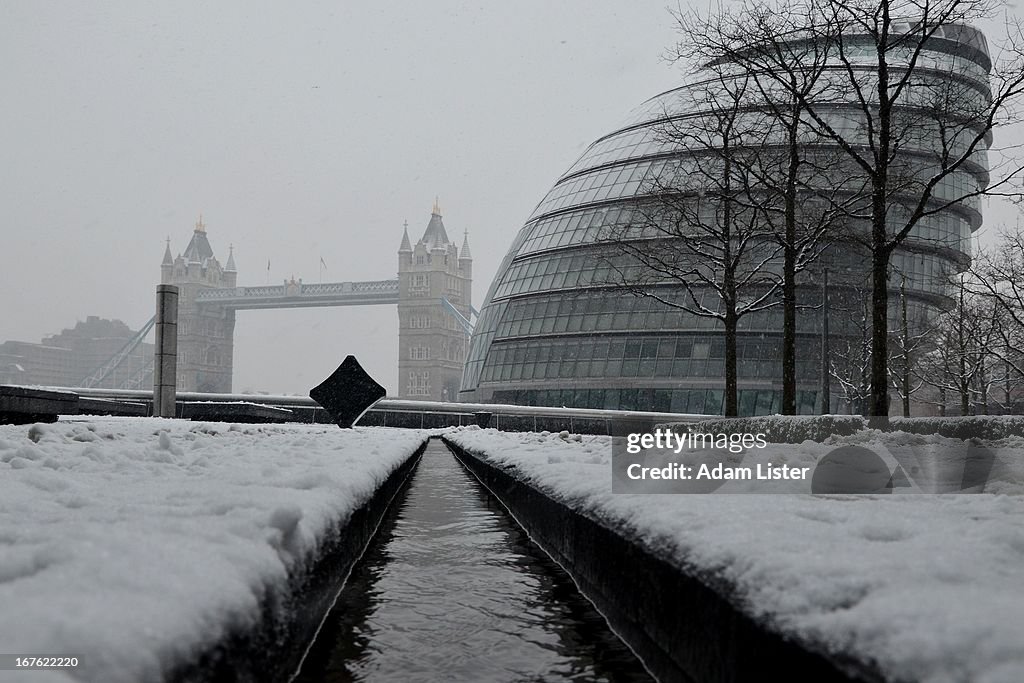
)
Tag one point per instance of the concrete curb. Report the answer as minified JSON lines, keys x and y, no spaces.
{"x":272,"y":648}
{"x":682,"y":628}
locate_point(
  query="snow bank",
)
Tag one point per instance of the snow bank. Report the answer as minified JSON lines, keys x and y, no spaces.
{"x":799,"y":428}
{"x":134,"y":542}
{"x":926,"y":587}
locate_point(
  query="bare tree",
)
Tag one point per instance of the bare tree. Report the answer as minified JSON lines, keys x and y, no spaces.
{"x":1007,"y":353}
{"x":998,"y":276}
{"x":910,"y":342}
{"x":914,"y":131}
{"x":850,"y":362}
{"x":699,"y":226}
{"x":962,"y":364}
{"x":802,"y":209}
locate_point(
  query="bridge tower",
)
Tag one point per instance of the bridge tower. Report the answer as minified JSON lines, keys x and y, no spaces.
{"x":205,"y":333}
{"x":432,"y":343}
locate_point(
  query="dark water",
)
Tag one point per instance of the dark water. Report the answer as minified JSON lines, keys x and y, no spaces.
{"x":452,"y":590}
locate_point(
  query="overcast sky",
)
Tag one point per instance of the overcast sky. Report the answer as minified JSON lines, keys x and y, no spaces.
{"x":300,"y":131}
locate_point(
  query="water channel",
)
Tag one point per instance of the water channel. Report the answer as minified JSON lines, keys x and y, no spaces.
{"x":452,"y":589}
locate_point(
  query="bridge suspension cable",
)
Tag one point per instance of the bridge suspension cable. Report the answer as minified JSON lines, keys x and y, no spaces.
{"x":108,"y":368}
{"x":466,"y":323}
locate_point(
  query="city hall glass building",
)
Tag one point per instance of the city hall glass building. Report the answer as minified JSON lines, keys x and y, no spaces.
{"x":552,"y":332}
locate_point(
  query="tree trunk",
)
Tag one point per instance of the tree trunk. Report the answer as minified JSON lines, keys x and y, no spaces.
{"x":963,"y":383}
{"x":983,"y":384}
{"x":905,"y":331}
{"x":1007,"y":407}
{"x":878,"y":401}
{"x":789,"y":333}
{"x":731,"y":393}
{"x":906,"y":391}
{"x":826,"y":394}
{"x":878,"y":404}
{"x":789,"y":277}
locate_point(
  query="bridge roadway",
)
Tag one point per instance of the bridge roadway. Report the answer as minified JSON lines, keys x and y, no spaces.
{"x":393,"y":412}
{"x":294,"y":294}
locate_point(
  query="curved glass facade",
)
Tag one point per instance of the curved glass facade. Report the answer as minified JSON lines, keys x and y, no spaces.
{"x":552,"y":332}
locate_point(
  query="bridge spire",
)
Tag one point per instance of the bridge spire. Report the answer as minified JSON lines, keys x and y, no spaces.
{"x":437,"y":207}
{"x":200,"y":226}
{"x":168,"y":259}
{"x":406,"y":244}
{"x":464,"y":253}
{"x":229,"y":267}
{"x":435,"y":236}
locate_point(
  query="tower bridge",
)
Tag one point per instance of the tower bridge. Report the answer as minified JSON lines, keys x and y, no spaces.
{"x":434,"y":283}
{"x":297,"y":294}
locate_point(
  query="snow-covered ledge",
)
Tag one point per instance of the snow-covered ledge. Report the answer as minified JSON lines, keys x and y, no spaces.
{"x":155,"y":548}
{"x":892,"y":587}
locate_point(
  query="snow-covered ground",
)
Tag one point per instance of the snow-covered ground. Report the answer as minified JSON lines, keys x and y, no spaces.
{"x":929,"y":587}
{"x":133,"y":542}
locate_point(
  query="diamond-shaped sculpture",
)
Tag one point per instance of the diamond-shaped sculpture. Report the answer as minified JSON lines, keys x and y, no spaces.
{"x":347,"y":393}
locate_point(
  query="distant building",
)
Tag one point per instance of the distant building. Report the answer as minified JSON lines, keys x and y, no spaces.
{"x":205,"y":333}
{"x":552,"y":332}
{"x":68,"y":359}
{"x":432,"y":341}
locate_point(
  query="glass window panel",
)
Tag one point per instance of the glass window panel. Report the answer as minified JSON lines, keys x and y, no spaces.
{"x":567,"y":368}
{"x":695,"y":400}
{"x":611,"y":399}
{"x":645,"y":399}
{"x":748,"y":402}
{"x":628,"y":399}
{"x":678,"y":401}
{"x":713,"y":402}
{"x":764,"y":402}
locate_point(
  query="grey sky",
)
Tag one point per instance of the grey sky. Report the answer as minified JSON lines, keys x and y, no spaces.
{"x":300,"y":131}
